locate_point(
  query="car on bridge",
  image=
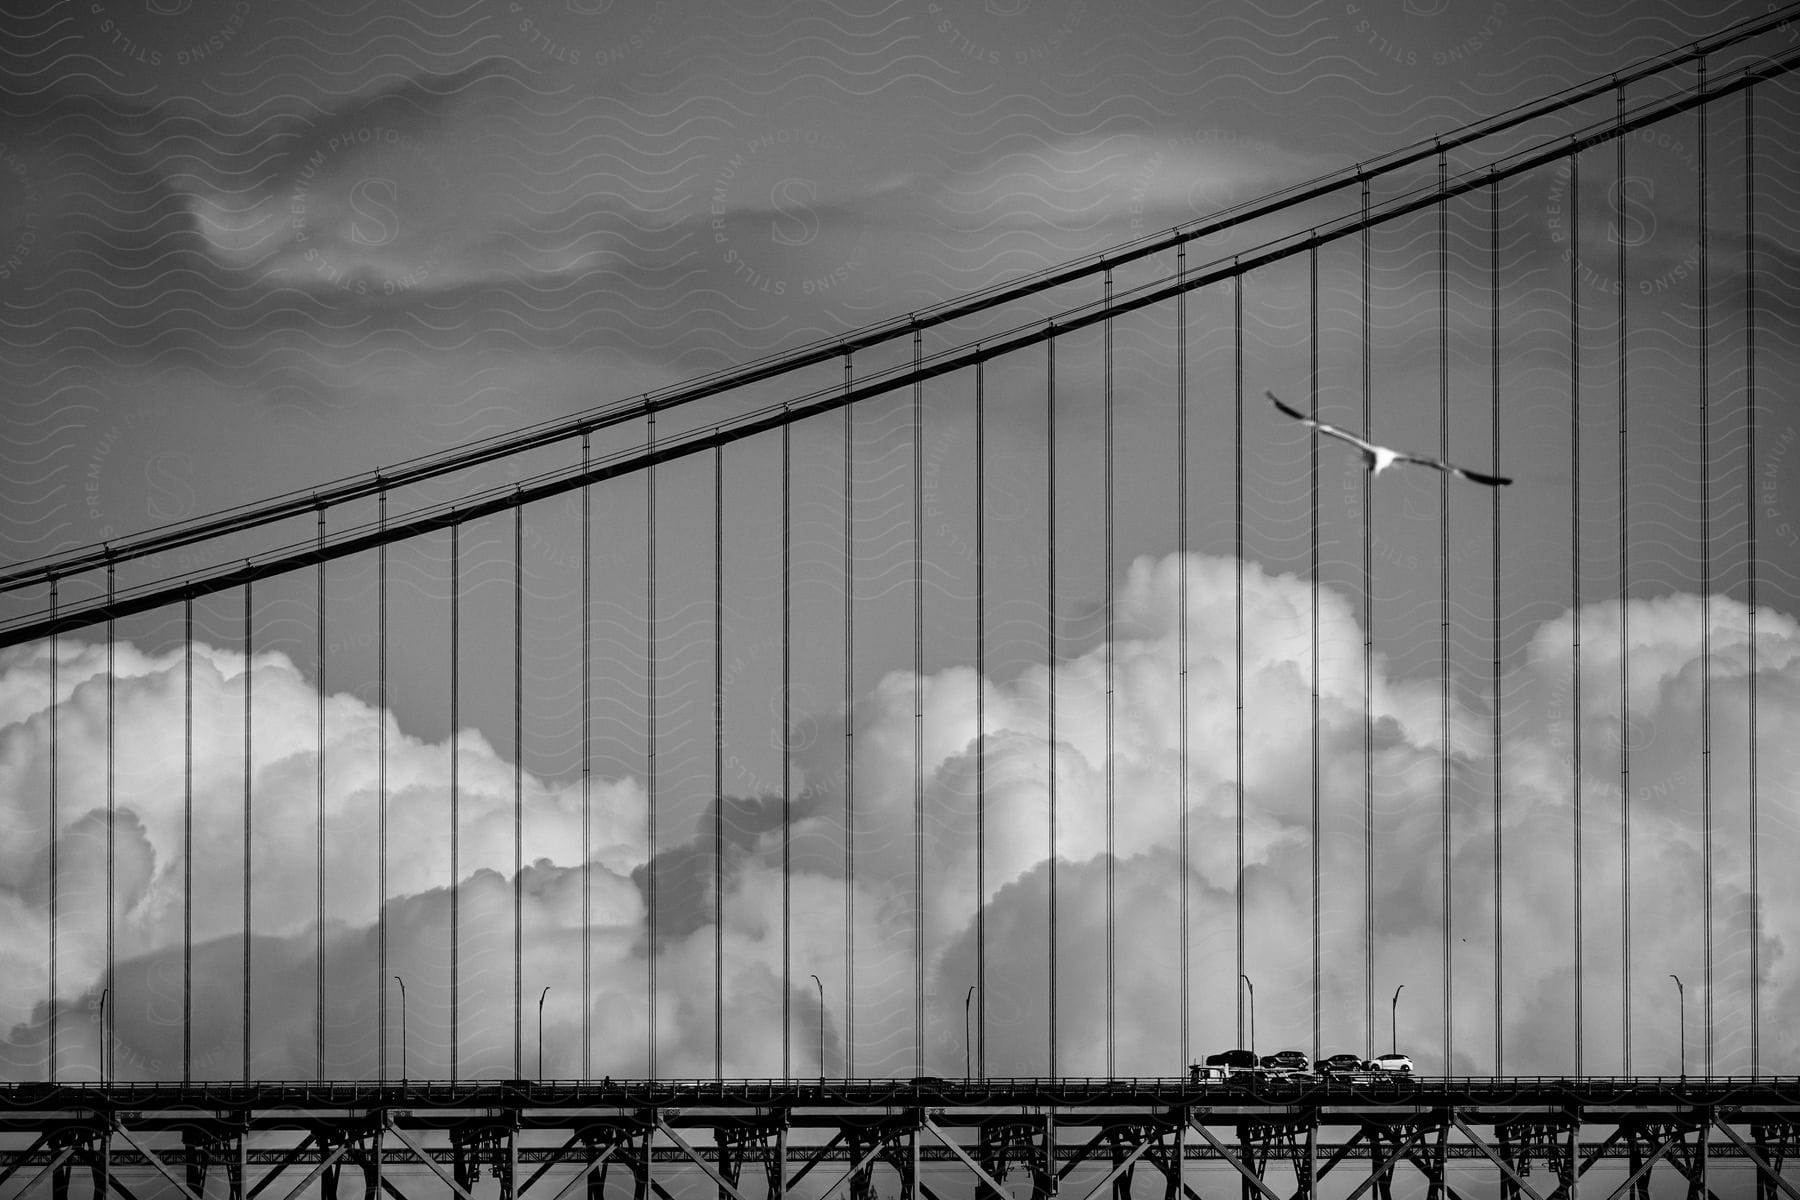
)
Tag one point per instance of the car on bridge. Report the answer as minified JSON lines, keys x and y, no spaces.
{"x":1344,"y":1064}
{"x":1399,"y":1063}
{"x":1234,"y":1060}
{"x":1288,"y":1062}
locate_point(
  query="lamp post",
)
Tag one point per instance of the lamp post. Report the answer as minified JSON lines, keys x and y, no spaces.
{"x":815,"y":979}
{"x":1681,"y":999}
{"x":541,"y":996}
{"x":1252,"y":988}
{"x":1394,"y":1022}
{"x":402,"y":984}
{"x":966,"y":999}
{"x":104,"y":1039}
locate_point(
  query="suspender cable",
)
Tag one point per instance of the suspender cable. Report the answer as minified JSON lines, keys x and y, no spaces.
{"x":187,"y":841}
{"x":54,"y":1000}
{"x":787,"y":793}
{"x":1312,"y":387}
{"x":718,"y":565}
{"x":1181,"y":608}
{"x":1575,"y":567}
{"x":849,"y":728}
{"x":518,"y":731}
{"x":1750,"y":301}
{"x":1444,"y":814}
{"x":319,"y":828}
{"x":249,"y":775}
{"x":1706,"y":797}
{"x":981,"y":714}
{"x":587,"y":777}
{"x":1237,"y":335}
{"x":1495,"y":637}
{"x":1624,"y":614}
{"x":1050,"y":659}
{"x":1368,"y":672}
{"x":381,"y":790}
{"x":1107,"y":609}
{"x":650,"y":744}
{"x":455,"y":782}
{"x":112,"y":967}
{"x":918,"y":649}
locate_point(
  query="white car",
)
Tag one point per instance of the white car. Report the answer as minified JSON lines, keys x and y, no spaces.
{"x":1392,"y":1062}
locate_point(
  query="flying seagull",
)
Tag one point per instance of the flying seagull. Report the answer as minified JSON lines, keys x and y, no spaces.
{"x":1380,"y":458}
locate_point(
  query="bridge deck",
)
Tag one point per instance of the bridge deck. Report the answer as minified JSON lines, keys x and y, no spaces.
{"x":687,"y":1134}
{"x":1075,"y":1101}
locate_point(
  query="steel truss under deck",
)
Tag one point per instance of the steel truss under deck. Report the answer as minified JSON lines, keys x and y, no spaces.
{"x":1278,"y":1138}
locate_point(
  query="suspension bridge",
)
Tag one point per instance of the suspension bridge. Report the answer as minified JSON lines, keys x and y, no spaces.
{"x":897,"y":762}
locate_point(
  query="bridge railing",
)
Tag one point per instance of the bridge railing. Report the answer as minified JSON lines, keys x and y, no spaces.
{"x":1074,"y":1092}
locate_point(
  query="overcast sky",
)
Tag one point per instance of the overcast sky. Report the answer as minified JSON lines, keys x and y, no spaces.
{"x":246,"y":248}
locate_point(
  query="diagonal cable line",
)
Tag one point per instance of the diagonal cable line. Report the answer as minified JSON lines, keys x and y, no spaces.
{"x":503,"y":498}
{"x":33,"y":572}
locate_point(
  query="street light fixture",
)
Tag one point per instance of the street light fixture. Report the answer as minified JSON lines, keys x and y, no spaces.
{"x":966,"y":999}
{"x":1681,"y":998}
{"x":541,"y":996}
{"x":1394,"y":1021}
{"x":1252,"y":988}
{"x":815,"y":979}
{"x":402,"y":984}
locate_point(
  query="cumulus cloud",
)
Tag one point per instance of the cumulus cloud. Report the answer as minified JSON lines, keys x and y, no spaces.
{"x":775,"y":928}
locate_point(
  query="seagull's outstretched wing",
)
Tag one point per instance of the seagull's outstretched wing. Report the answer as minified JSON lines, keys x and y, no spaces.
{"x":1380,"y":457}
{"x":1471,"y":476}
{"x":1478,"y":477}
{"x":1322,"y":427}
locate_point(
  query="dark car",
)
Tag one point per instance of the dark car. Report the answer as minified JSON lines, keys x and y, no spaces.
{"x":1344,"y":1064}
{"x":1233,"y":1060}
{"x":1287,"y":1060}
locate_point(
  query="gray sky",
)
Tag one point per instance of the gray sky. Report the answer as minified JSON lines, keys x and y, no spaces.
{"x":250,"y":248}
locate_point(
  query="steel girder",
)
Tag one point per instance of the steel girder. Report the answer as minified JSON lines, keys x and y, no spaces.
{"x":1532,"y":1151}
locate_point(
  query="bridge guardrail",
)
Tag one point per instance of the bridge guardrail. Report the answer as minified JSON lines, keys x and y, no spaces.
{"x":1066,"y":1091}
